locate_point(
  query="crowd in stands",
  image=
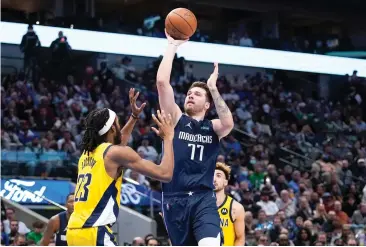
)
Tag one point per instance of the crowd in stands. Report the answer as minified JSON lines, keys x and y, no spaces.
{"x":242,"y":35}
{"x":298,"y":161}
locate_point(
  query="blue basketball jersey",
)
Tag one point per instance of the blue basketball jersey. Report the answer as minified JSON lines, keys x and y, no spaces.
{"x":196,"y":147}
{"x":61,"y":234}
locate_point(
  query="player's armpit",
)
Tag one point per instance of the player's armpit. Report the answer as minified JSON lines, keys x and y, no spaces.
{"x":222,"y":129}
{"x":239,"y":224}
{"x":51,"y":228}
{"x":127,"y":157}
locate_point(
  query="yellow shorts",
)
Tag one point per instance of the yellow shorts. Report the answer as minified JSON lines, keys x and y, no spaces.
{"x":92,"y":236}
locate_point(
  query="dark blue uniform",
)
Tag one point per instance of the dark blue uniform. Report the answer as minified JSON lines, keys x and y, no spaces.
{"x":61,"y":234}
{"x":189,"y":202}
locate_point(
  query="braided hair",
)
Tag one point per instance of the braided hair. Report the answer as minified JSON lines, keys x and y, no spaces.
{"x":95,"y":120}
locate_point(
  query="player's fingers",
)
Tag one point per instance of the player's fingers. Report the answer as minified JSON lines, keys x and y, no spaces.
{"x":130,"y":93}
{"x":156,"y":120}
{"x":170,"y":120}
{"x":159,"y":116}
{"x":155,"y":130}
{"x":136,"y":96}
{"x":163,"y":117}
{"x":142,"y":106}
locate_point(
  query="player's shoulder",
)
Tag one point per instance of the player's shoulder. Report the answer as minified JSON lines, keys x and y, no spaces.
{"x":238,"y":207}
{"x":55,"y":220}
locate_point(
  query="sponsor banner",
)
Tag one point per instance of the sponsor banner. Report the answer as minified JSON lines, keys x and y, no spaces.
{"x":192,"y":51}
{"x":138,"y":195}
{"x":31,"y":191}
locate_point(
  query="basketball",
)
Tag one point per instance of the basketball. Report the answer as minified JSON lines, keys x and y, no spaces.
{"x":181,"y":23}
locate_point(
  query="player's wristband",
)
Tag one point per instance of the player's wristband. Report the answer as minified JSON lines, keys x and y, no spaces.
{"x":134,"y":117}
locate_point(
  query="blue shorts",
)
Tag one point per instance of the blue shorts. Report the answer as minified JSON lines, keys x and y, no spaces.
{"x":190,"y":218}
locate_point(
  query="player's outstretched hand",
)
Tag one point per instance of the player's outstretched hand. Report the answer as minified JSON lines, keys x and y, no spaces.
{"x":165,"y":124}
{"x":211,"y":82}
{"x":134,"y":108}
{"x":173,"y":41}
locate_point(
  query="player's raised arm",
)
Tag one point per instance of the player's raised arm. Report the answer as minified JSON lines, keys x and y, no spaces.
{"x":127,"y":157}
{"x":127,"y":129}
{"x":225,"y":123}
{"x":165,"y":90}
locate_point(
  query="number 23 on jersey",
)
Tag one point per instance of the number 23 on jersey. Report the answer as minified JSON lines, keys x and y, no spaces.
{"x":82,"y":189}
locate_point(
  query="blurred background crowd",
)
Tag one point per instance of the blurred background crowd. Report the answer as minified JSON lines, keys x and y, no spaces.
{"x":298,"y":159}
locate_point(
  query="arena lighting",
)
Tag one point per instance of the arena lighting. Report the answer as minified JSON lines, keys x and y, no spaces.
{"x":192,"y":51}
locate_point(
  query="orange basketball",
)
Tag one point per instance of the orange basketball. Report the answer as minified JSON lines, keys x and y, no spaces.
{"x":181,"y":23}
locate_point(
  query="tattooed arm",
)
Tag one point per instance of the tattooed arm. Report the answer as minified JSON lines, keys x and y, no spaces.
{"x":225,"y":123}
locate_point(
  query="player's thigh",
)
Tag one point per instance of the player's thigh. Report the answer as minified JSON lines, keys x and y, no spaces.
{"x":206,"y":222}
{"x":82,"y":237}
{"x":176,"y":216}
{"x":93,"y":236}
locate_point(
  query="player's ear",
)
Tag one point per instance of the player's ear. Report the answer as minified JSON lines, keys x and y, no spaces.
{"x":226,"y":182}
{"x":207,"y":105}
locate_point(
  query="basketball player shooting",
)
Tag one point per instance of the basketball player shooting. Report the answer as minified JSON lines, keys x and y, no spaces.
{"x":231,"y":212}
{"x":100,"y":168}
{"x":189,"y":203}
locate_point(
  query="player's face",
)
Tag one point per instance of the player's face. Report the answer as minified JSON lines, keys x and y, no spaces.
{"x":196,"y":101}
{"x":70,"y":204}
{"x":220,"y":181}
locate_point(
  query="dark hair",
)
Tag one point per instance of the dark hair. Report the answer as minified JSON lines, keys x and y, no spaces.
{"x":204,"y":87}
{"x":70,"y":194}
{"x":38,"y":224}
{"x":93,"y":123}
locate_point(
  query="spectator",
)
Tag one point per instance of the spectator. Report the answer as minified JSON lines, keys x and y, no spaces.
{"x":152,"y":242}
{"x":286,"y":204}
{"x":148,"y":151}
{"x":20,"y":240}
{"x":36,"y":234}
{"x":4,"y":236}
{"x":30,"y":45}
{"x":138,"y":241}
{"x":270,"y":208}
{"x":18,"y":226}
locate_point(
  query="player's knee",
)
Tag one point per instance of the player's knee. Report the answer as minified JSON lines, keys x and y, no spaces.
{"x":210,"y":241}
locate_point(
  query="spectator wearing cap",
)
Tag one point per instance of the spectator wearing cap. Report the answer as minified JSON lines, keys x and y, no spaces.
{"x":269,"y":207}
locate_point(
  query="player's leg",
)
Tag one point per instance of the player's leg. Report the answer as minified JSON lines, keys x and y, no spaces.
{"x":176,"y":215}
{"x":82,"y":237}
{"x":206,"y":223}
{"x":105,"y":237}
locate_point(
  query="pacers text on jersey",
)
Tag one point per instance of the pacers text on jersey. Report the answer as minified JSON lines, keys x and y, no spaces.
{"x":88,"y":161}
{"x":194,"y":138}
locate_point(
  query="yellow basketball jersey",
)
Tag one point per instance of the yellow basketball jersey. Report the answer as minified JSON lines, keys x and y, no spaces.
{"x":226,"y":221}
{"x":97,"y":195}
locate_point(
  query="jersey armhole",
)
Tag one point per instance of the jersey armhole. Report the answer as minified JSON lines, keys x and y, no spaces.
{"x":231,"y":210}
{"x":106,"y":150}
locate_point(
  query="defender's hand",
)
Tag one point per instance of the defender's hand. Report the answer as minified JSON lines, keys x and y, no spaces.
{"x":211,"y":82}
{"x":134,"y":108}
{"x":165,"y":124}
{"x":173,"y":41}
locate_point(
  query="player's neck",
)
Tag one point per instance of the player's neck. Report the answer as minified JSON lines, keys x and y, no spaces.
{"x":220,"y":197}
{"x":197,"y":117}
